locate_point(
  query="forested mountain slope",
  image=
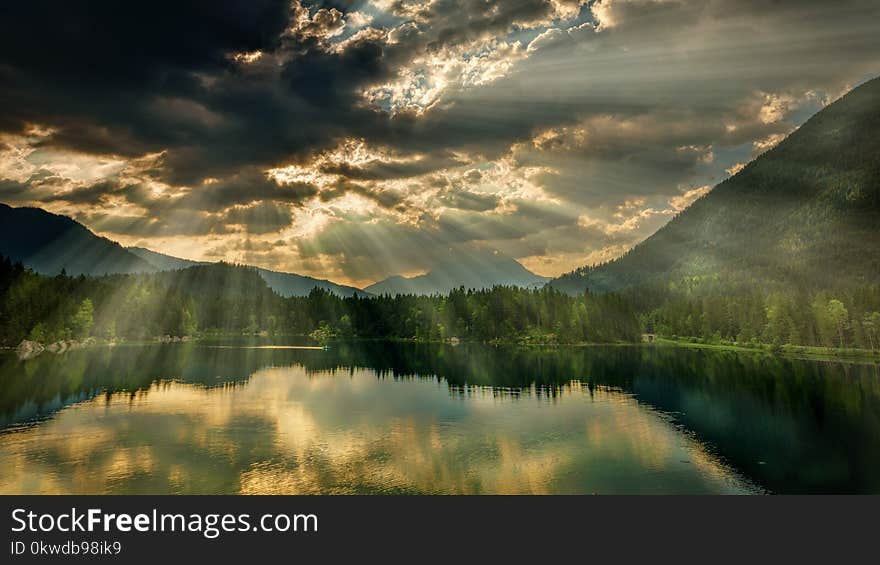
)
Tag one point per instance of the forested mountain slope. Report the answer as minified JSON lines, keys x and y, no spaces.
{"x":49,"y":243}
{"x":806,"y":213}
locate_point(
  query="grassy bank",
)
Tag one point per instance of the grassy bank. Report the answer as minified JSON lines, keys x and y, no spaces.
{"x":806,"y":351}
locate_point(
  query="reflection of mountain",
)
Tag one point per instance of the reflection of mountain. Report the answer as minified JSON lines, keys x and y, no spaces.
{"x":285,"y":284}
{"x":471,"y":269}
{"x":755,"y":410}
{"x":804,"y":213}
{"x":292,"y":429}
{"x":286,"y":431}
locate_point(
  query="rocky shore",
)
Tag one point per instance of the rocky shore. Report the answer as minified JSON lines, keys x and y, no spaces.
{"x":28,"y":349}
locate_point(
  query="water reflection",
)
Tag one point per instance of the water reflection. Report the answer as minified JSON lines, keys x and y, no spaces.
{"x":289,"y":431}
{"x":405,"y":418}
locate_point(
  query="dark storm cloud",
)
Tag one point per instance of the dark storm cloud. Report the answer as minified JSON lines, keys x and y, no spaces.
{"x":465,"y":200}
{"x":615,"y":102}
{"x":118,"y":80}
{"x":93,"y":194}
{"x":265,"y":217}
{"x":702,"y":56}
{"x":247,"y":187}
{"x":249,"y":199}
{"x":172,"y":225}
{"x":331,"y":80}
{"x":13,"y":192}
{"x":113,"y":79}
{"x":94,"y":67}
{"x":261,"y":218}
{"x":387,"y":170}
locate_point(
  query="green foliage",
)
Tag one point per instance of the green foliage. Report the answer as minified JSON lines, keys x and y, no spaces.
{"x":189,"y":323}
{"x":323,"y":333}
{"x":231,"y":299}
{"x":871,"y":326}
{"x":83,"y":319}
{"x":839,"y":316}
{"x":784,"y":252}
{"x":746,"y":311}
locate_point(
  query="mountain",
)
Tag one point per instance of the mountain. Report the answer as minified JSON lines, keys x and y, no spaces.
{"x":805,"y":213}
{"x":48,"y":243}
{"x":471,"y":269}
{"x":289,"y":284}
{"x":285,"y":284}
{"x":218,"y":281}
{"x":163,"y":262}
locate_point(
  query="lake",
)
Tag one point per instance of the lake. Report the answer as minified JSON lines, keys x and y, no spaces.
{"x":240,"y":416}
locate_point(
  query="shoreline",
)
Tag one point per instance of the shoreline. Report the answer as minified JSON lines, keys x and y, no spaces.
{"x":797,"y":351}
{"x":800,"y":351}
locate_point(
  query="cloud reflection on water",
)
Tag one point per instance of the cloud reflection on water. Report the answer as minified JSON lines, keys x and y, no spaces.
{"x":290,"y":431}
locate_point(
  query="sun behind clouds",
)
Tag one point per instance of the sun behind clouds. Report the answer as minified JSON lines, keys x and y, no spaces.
{"x":357,"y":144}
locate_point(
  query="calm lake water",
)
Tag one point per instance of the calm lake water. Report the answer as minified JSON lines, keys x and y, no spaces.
{"x":377,"y":417}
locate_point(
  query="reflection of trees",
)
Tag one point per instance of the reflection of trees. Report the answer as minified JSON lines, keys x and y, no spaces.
{"x":38,"y":387}
{"x":792,"y":425}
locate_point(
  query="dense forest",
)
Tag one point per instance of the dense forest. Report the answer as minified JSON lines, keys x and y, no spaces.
{"x":744,"y":312}
{"x":229,"y":299}
{"x":784,"y":252}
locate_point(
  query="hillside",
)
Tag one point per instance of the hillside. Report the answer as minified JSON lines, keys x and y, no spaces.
{"x":806,"y":213}
{"x":49,"y":243}
{"x":164,"y":262}
{"x":285,"y":284}
{"x":289,"y":284}
{"x":472,"y":270}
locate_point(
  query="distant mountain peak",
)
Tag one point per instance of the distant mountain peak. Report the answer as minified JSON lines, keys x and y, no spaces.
{"x":471,"y":268}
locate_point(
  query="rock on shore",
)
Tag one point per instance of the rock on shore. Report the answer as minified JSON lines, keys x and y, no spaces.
{"x":29,"y":349}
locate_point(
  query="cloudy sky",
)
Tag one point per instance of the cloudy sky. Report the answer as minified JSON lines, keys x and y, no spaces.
{"x":353,"y":140}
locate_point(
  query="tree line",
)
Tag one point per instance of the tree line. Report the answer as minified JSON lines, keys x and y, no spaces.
{"x":229,"y":299}
{"x":224,"y":299}
{"x":726,"y":310}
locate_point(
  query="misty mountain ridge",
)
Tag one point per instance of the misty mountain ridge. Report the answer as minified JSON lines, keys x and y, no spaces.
{"x":51,"y":243}
{"x":471,"y":269}
{"x":285,"y":284}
